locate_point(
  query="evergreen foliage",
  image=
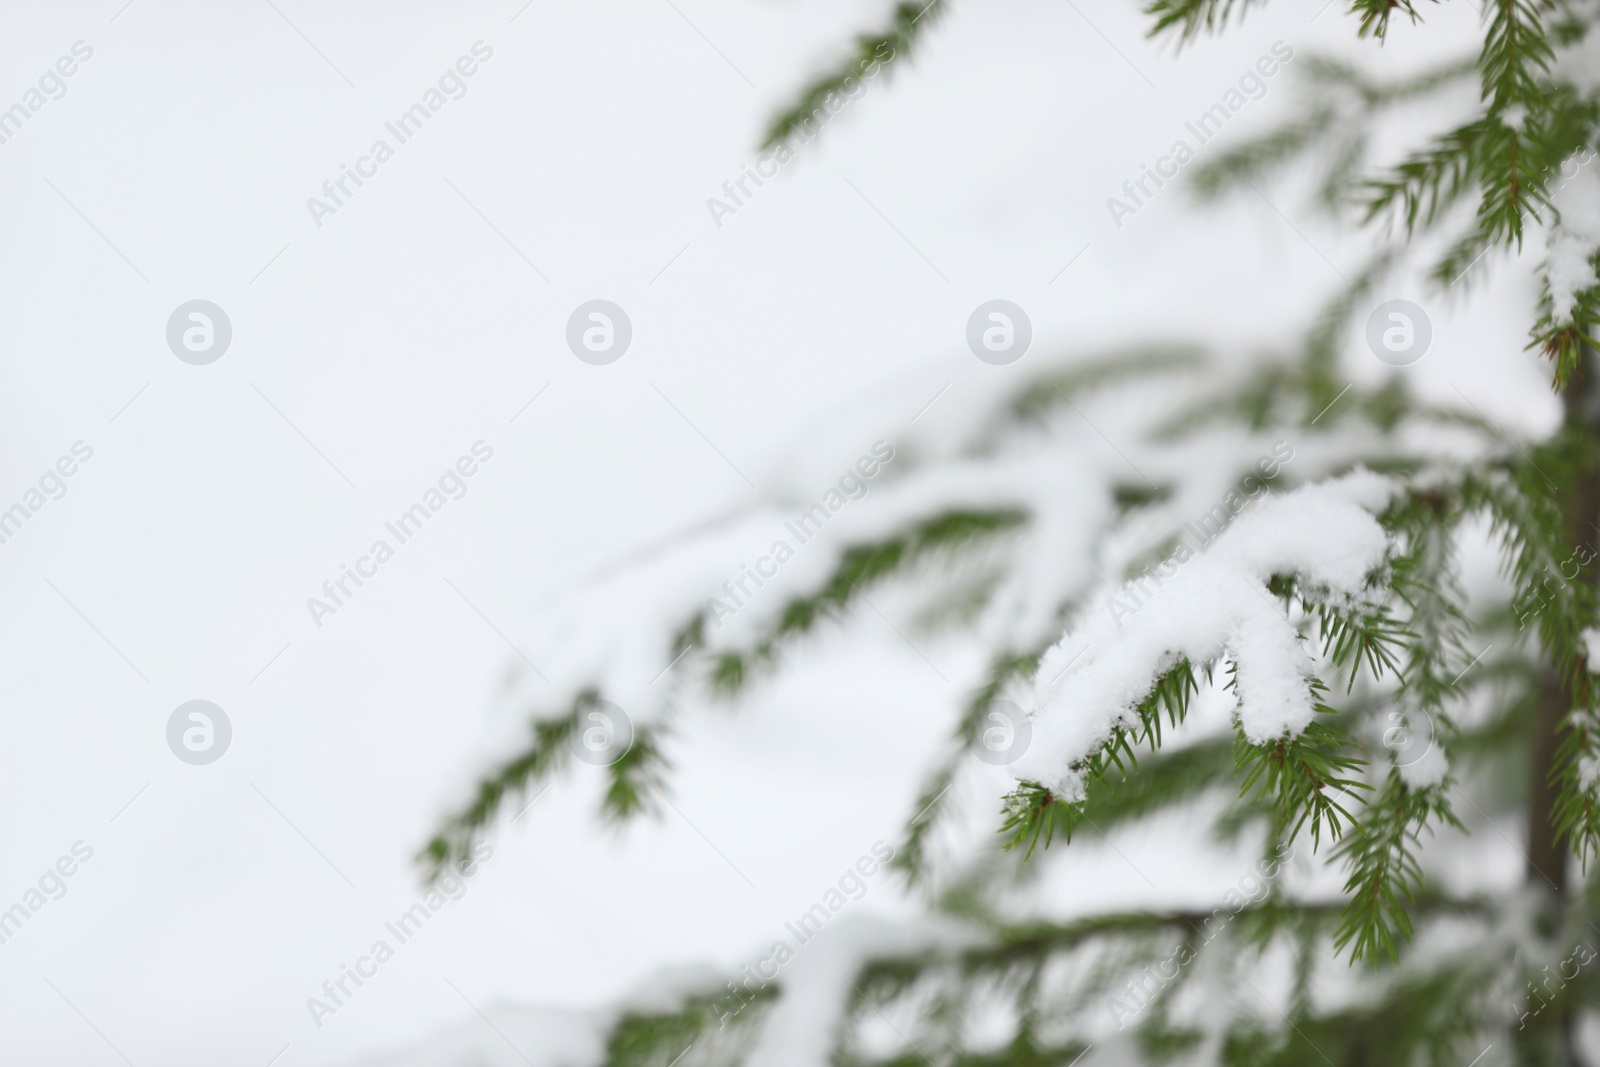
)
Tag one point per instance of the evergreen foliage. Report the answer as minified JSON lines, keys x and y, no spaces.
{"x":1428,"y":702}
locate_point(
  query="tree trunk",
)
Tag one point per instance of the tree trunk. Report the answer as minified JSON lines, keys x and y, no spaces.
{"x":1553,"y":1042}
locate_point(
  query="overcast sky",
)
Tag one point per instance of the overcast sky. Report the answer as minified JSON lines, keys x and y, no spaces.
{"x":374,"y":346}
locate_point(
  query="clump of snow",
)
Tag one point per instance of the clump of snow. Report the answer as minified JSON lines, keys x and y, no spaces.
{"x":1208,"y":605}
{"x":511,"y":1037}
{"x":1578,"y":63}
{"x":1427,"y":770}
{"x":1591,"y":649}
{"x":1410,"y":735}
{"x":1574,"y":240}
{"x":818,"y":985}
{"x":666,"y":991}
{"x":1588,"y":771}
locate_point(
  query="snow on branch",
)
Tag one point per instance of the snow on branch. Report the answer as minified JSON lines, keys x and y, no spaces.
{"x":1199,"y":608}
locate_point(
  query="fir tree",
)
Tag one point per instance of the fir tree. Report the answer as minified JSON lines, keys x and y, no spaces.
{"x":1379,"y":712}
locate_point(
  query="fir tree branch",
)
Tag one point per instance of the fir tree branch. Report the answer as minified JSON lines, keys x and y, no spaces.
{"x":719,"y":1027}
{"x":1423,"y":186}
{"x":1381,"y":851}
{"x":912,"y":858}
{"x":871,"y":54}
{"x":1032,"y":813}
{"x":1048,"y":392}
{"x":1298,"y":777}
{"x":1577,"y":809}
{"x":1375,"y":15}
{"x":547,"y":753}
{"x":1189,"y":19}
{"x":860,"y":567}
{"x":634,"y":780}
